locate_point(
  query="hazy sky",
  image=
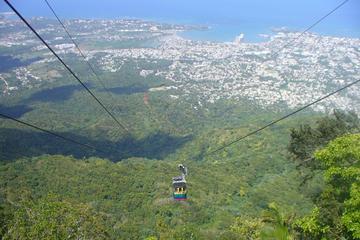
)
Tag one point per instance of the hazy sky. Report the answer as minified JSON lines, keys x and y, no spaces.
{"x":292,"y":13}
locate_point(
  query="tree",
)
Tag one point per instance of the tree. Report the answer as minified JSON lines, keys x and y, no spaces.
{"x":310,"y":226}
{"x":247,"y":228}
{"x":351,"y":216}
{"x":306,"y":139}
{"x":53,"y":218}
{"x":337,"y":213}
{"x":278,"y":224}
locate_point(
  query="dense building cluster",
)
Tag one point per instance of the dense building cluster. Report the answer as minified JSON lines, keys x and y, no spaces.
{"x":264,"y":72}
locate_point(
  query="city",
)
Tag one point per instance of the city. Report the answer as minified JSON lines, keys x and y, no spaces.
{"x":267,"y":72}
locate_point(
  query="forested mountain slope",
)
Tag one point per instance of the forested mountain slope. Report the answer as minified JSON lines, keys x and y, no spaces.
{"x":181,"y":101}
{"x":228,"y":194}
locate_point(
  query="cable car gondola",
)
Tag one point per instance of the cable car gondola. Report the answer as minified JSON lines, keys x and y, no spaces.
{"x":179,"y":185}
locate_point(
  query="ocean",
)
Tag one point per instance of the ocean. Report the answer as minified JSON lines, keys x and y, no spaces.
{"x":257,"y":33}
{"x":226,"y":18}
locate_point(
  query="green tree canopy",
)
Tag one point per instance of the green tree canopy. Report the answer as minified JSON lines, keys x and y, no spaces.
{"x":306,"y":139}
{"x":338,"y":209}
{"x":53,"y":218}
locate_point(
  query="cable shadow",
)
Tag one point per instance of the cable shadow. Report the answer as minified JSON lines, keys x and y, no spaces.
{"x":15,"y":111}
{"x":9,"y":62}
{"x":56,"y":94}
{"x":16,"y":143}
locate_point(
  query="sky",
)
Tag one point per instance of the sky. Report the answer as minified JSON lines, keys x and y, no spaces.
{"x":295,"y":14}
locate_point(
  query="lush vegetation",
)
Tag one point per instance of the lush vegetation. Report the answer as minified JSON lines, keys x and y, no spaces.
{"x":336,"y":214}
{"x":298,"y":179}
{"x":241,"y":195}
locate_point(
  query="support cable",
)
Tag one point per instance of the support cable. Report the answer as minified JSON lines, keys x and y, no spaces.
{"x":302,"y":108}
{"x":282,"y":118}
{"x":51,"y":133}
{"x":83,"y":56}
{"x":66,"y":66}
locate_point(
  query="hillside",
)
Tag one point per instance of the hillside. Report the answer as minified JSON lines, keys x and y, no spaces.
{"x":180,"y":100}
{"x":133,"y":196}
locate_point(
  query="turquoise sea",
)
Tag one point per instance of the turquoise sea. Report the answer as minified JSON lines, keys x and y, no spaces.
{"x":226,"y":18}
{"x":226,"y":33}
{"x":258,"y":33}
